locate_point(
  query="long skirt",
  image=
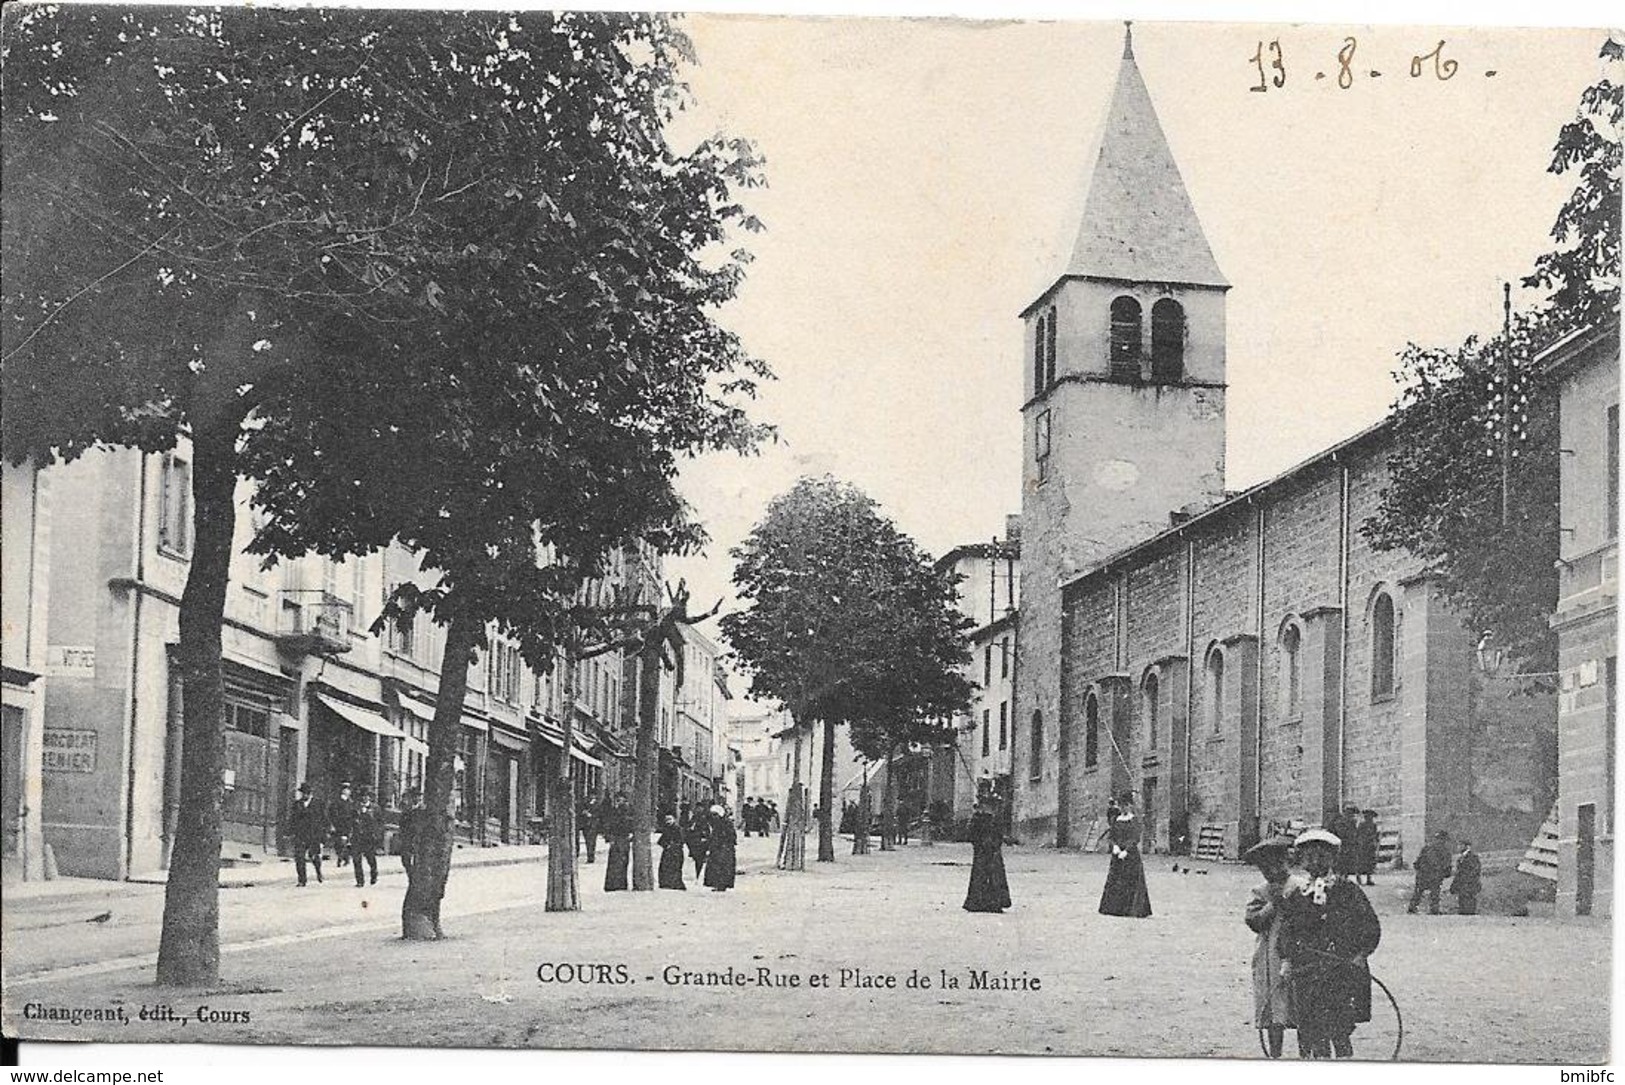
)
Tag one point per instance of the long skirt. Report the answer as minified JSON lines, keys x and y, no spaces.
{"x":620,"y":855}
{"x":1125,"y":892}
{"x":719,"y":867}
{"x":670,"y":874}
{"x":1330,"y":997}
{"x":989,"y":889}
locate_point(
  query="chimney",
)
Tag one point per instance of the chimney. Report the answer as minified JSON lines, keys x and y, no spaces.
{"x":1012,"y":527}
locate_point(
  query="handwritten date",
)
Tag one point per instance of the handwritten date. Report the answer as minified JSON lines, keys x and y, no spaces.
{"x":1270,"y":62}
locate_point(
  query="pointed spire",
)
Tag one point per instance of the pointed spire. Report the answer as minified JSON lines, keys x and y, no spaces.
{"x":1138,"y":222}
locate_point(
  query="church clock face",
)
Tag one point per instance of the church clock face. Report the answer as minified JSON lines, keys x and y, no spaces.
{"x":1116,"y":474}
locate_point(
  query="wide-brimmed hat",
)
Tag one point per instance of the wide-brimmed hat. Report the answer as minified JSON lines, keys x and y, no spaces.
{"x":1317,"y":836}
{"x":1280,"y":842}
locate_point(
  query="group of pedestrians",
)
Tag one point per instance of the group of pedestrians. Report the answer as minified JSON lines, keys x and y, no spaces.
{"x":705,"y":832}
{"x":1315,"y":931}
{"x":759,"y":816}
{"x":351,"y":822}
{"x":1434,"y":865}
{"x":1357,"y":829}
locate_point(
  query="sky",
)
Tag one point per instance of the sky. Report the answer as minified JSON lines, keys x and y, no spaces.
{"x":925,"y":183}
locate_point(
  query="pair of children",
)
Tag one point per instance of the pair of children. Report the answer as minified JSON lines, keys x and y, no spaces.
{"x":1315,"y":930}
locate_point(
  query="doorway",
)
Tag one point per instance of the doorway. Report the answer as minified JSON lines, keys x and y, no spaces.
{"x":1585,"y":858}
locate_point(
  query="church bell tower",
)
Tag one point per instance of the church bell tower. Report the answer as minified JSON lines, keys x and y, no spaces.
{"x":1123,"y":411}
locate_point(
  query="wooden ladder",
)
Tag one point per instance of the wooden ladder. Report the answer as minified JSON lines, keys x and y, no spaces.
{"x":1540,"y":859}
{"x":1210,"y":843}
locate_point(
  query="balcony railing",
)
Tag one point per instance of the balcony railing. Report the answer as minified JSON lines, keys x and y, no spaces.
{"x":313,"y":622}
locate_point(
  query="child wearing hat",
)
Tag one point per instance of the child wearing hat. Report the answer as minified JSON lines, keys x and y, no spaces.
{"x":1272,"y":992}
{"x":1328,"y":929}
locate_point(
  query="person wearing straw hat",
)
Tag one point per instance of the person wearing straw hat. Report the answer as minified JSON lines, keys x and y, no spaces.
{"x":1328,"y":929}
{"x":1272,"y":994}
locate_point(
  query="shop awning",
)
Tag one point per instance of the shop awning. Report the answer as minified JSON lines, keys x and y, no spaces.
{"x":508,"y":740}
{"x":364,"y":718}
{"x":417,"y":746}
{"x":554,"y":736}
{"x":424,"y":710}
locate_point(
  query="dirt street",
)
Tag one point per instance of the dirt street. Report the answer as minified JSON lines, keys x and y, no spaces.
{"x":836,"y":958}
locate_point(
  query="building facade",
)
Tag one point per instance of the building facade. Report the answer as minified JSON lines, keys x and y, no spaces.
{"x":312,"y":694}
{"x":694,"y":752}
{"x":1232,"y":661}
{"x":989,"y":595}
{"x":1585,"y":368}
{"x":23,"y":653}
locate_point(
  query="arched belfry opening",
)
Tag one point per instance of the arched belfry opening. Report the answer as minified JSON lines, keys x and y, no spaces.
{"x":1126,"y":333}
{"x":1167,"y":341}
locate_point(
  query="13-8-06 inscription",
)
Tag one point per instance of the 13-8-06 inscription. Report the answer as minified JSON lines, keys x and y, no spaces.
{"x":757,"y":976}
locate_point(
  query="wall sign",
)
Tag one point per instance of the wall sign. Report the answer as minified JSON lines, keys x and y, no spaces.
{"x":70,"y":660}
{"x":69,"y":750}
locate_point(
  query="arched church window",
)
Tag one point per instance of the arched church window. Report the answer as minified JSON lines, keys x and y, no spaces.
{"x":1149,"y":693}
{"x":1125,"y":357}
{"x":1091,"y":731}
{"x":1215,"y":690}
{"x":1167,"y":341}
{"x":1384,"y":645}
{"x":1292,"y":671}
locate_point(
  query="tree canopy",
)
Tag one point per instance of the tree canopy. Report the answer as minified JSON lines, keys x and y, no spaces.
{"x":845,"y":620}
{"x":434,"y":277}
{"x":1461,"y":408}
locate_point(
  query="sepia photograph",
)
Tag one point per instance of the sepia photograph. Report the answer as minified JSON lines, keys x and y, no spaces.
{"x":794,"y":533}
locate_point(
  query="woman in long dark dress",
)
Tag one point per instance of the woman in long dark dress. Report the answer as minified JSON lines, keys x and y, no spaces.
{"x":719,"y":860}
{"x":1125,"y":892}
{"x":989,"y":889}
{"x":617,"y":828}
{"x":670,"y":874}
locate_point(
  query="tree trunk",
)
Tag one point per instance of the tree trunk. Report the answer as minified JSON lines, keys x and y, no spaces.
{"x":860,"y":820}
{"x":888,"y":804}
{"x":431,"y":865}
{"x":563,"y":886}
{"x":826,"y":796}
{"x":189,"y":947}
{"x":793,"y":839}
{"x":646,"y":765}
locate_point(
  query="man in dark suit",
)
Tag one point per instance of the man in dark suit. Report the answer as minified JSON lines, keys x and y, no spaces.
{"x":587,"y":822}
{"x":341,"y":819}
{"x":307,"y":827}
{"x":1468,"y":882}
{"x":1432,"y":868}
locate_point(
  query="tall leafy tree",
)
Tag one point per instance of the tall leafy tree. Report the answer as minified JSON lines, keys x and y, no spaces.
{"x":327,"y":243}
{"x":845,"y":619}
{"x":572,"y":362}
{"x":1583,"y":271}
{"x":1475,"y":461}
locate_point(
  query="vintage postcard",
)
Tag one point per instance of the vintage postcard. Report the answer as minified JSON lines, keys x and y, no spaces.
{"x":792,"y":534}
